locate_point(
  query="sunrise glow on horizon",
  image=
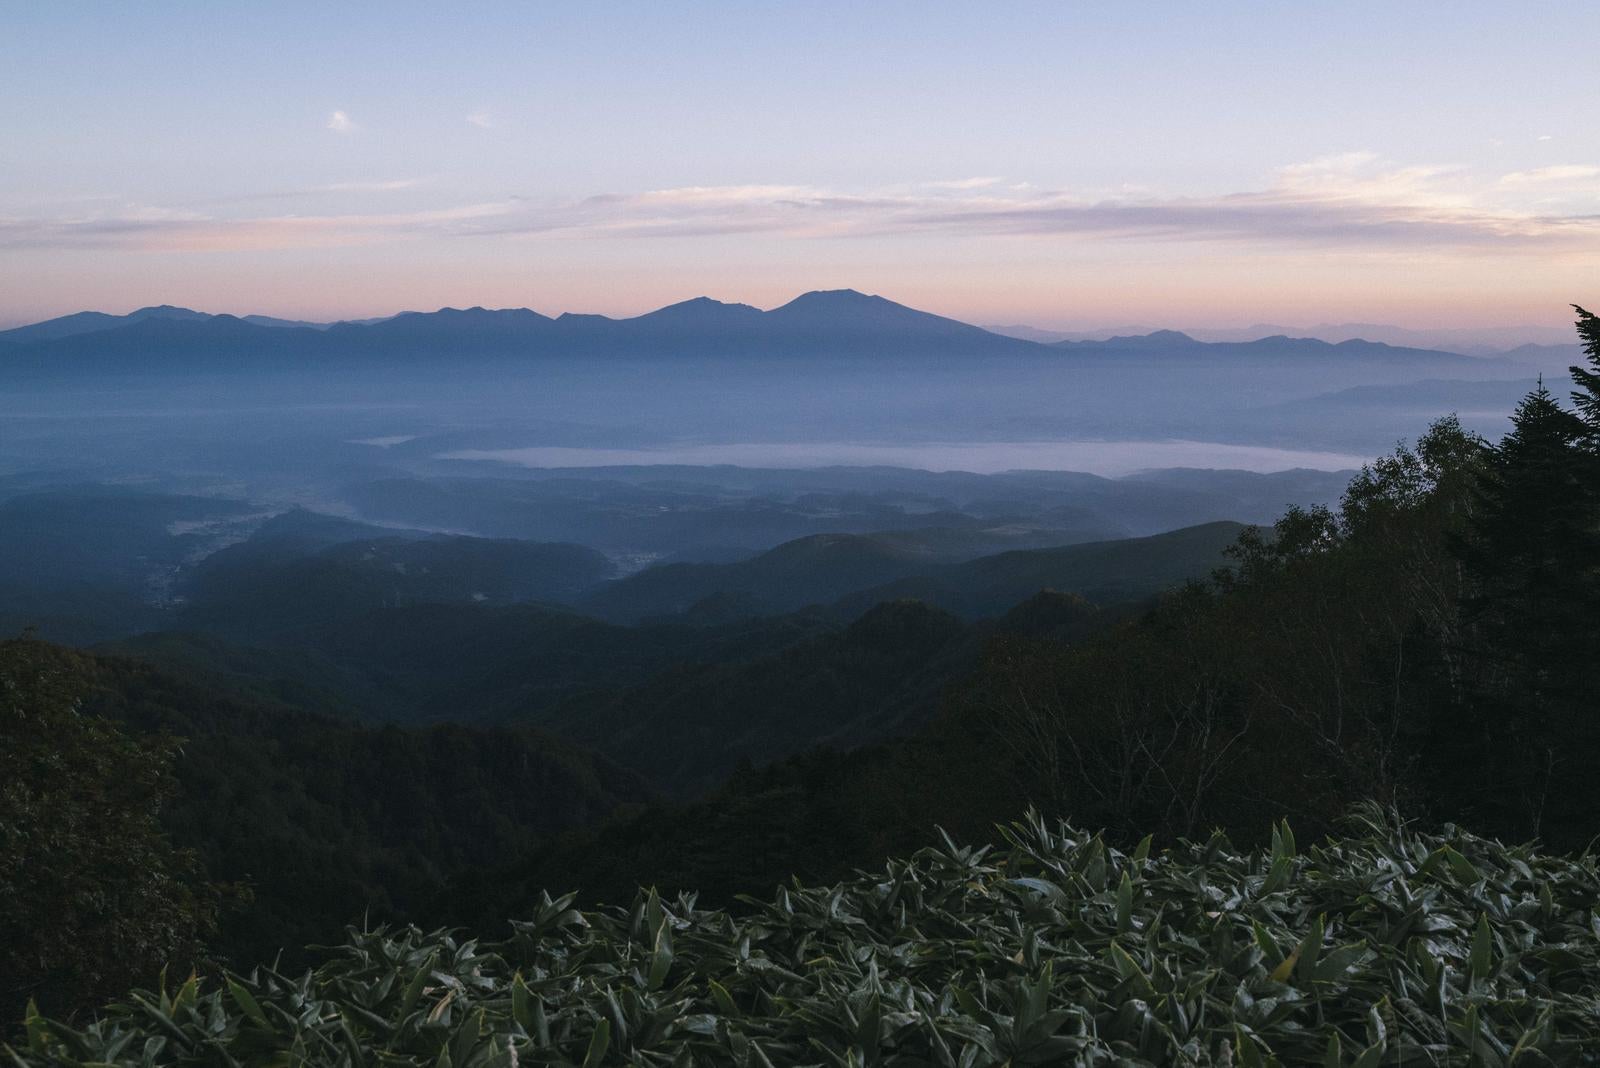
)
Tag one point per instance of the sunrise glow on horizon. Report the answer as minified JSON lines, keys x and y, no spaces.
{"x":1064,"y":166}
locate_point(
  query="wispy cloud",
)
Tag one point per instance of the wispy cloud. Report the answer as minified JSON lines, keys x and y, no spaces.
{"x":1353,"y":201}
{"x":480,"y":119}
{"x":1569,"y":172}
{"x":1266,"y":218}
{"x":713,"y":195}
{"x":965,"y":183}
{"x":142,"y":230}
{"x":339,"y":122}
{"x":388,"y":185}
{"x":1365,"y":177}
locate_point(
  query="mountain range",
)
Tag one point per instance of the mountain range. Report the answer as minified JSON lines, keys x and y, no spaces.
{"x":1472,"y":341}
{"x":835,"y":322}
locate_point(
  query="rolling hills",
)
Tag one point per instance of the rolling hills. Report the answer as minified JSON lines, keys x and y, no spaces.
{"x":856,"y":572}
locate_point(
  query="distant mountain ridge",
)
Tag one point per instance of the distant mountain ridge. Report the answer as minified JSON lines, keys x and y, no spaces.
{"x":93,"y":322}
{"x":824,"y":319}
{"x":1276,"y":345}
{"x":1470,"y":341}
{"x":829,"y":309}
{"x":840,"y":322}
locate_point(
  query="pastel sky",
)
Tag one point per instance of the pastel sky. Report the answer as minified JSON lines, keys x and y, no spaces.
{"x":1061,"y":164}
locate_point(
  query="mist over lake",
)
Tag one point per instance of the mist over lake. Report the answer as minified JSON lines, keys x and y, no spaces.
{"x":1106,"y":458}
{"x":736,"y":535}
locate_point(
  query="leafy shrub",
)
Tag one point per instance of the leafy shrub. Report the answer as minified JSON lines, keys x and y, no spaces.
{"x":1385,"y":947}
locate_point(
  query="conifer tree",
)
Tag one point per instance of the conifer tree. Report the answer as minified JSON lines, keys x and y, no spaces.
{"x":1531,"y":555}
{"x":1535,"y":535}
{"x":1586,"y":398}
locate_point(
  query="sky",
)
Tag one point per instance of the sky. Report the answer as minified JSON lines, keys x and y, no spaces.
{"x":1064,"y":165}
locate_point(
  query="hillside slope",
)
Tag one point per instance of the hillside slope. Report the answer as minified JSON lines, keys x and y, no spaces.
{"x":1106,"y":572}
{"x":326,"y":821}
{"x":859,"y":571}
{"x":688,"y":727}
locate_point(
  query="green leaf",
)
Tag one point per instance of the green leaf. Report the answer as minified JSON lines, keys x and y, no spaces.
{"x":1372,"y":1056}
{"x":1141,"y":852}
{"x":1377,"y":1028}
{"x":541,"y":1023}
{"x":1282,"y":841}
{"x":1269,"y":947}
{"x":38,"y":1030}
{"x":867,"y":1031}
{"x":1310,"y":950}
{"x":1467,"y":1029}
{"x":247,"y":1003}
{"x":1039,"y":995}
{"x":660,"y":957}
{"x":442,"y":1006}
{"x":1125,"y":904}
{"x":1535,"y":1036}
{"x":1129,"y":969}
{"x":1278,"y":876}
{"x":521,"y":1003}
{"x":654,"y":918}
{"x":188,"y":993}
{"x":724,"y":1000}
{"x":1463,"y":868}
{"x":1336,"y":962}
{"x":1281,"y":973}
{"x":1248,"y":1052}
{"x":599,"y":1042}
{"x":1334,"y":1057}
{"x":413,"y":994}
{"x":1482,"y":958}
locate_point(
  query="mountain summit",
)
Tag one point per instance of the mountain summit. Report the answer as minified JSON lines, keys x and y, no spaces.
{"x":826,"y":322}
{"x":836,"y":324}
{"x":90,"y":322}
{"x":701,"y":310}
{"x":852,"y":310}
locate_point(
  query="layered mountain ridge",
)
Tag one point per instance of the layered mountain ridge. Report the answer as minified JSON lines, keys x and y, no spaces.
{"x":841,"y":321}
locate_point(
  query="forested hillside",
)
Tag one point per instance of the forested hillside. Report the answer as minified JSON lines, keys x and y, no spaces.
{"x":1424,"y":645}
{"x":299,"y":823}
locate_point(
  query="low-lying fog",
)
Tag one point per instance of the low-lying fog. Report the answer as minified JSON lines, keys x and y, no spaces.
{"x":121,"y":493}
{"x":1109,"y":459}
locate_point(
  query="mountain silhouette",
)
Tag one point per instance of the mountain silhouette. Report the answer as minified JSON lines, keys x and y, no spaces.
{"x":702,"y":311}
{"x":840,"y":323}
{"x":91,"y":322}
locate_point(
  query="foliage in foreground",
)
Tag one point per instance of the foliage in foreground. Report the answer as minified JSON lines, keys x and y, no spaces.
{"x":1389,"y":946}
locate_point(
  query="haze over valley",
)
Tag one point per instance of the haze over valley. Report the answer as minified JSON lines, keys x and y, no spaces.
{"x":736,"y":535}
{"x":703,"y":432}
